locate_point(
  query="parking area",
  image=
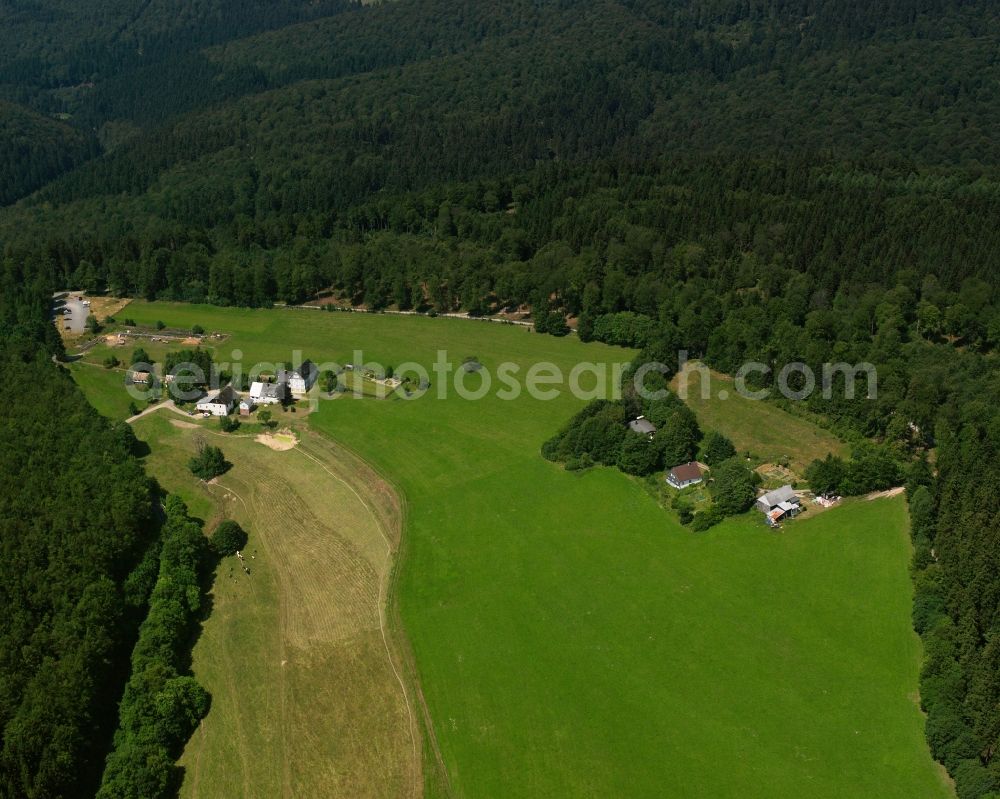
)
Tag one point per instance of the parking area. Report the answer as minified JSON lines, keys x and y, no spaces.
{"x":73,"y":310}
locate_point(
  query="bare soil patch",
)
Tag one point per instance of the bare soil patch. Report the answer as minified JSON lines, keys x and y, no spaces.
{"x":775,"y":472}
{"x":892,"y":492}
{"x":103,"y":307}
{"x":282,"y":441}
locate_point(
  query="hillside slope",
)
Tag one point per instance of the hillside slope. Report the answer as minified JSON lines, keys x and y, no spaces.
{"x":34,"y":149}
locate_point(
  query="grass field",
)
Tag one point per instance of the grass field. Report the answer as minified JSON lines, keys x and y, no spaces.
{"x":768,"y":432}
{"x":571,"y":639}
{"x":305,"y":701}
{"x":105,"y":388}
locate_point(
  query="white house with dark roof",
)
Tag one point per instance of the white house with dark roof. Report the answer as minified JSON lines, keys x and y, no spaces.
{"x":687,"y":474}
{"x":218,"y":404}
{"x":300,"y":380}
{"x":268,"y":393}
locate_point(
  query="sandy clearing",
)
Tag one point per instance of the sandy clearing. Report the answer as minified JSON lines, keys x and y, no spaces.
{"x":285,"y":440}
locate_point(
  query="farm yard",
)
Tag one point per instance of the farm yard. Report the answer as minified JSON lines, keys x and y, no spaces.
{"x":569,"y":637}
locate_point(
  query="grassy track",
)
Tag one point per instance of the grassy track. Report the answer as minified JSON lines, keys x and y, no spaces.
{"x":571,"y":639}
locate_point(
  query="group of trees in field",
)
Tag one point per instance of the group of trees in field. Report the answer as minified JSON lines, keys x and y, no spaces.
{"x":228,"y":538}
{"x":870,"y":468}
{"x":599,"y":434}
{"x":186,"y":362}
{"x":209,"y":462}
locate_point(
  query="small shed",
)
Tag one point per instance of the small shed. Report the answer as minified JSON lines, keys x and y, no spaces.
{"x":642,"y":426}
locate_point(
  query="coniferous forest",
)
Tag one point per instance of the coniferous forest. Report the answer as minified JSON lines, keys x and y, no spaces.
{"x":769,"y":180}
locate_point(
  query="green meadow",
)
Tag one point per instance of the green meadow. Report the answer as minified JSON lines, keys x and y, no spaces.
{"x":769,"y":433}
{"x":570,"y":638}
{"x":105,"y":388}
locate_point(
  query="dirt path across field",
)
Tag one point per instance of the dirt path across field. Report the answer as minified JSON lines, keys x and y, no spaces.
{"x":891,"y":492}
{"x":167,"y":404}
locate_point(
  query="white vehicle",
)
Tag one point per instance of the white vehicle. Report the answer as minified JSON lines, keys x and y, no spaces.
{"x":86,"y":302}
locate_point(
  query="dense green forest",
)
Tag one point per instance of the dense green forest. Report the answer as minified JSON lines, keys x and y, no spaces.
{"x":162,"y":703}
{"x":34,"y":149}
{"x":770,"y":180}
{"x":80,"y":550}
{"x":77,"y":531}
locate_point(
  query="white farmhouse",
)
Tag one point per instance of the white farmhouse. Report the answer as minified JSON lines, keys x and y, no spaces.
{"x":268,"y":393}
{"x":299,"y":380}
{"x":218,"y":404}
{"x":687,"y":474}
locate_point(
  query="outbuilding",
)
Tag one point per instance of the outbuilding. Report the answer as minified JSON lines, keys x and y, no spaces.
{"x":772,"y":500}
{"x":642,"y":426}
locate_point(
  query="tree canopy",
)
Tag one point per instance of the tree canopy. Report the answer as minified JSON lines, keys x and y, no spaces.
{"x":733,"y":487}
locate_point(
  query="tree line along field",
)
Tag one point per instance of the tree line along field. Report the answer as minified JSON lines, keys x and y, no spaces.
{"x":570,"y":638}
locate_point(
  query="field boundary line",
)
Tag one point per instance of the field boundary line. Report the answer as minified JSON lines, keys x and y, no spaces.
{"x":405,"y":652}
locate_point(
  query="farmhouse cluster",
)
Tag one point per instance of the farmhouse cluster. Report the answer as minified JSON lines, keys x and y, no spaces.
{"x":776,"y":505}
{"x":288,"y":384}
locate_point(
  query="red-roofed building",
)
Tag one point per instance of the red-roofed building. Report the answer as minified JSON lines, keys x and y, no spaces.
{"x":687,"y":474}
